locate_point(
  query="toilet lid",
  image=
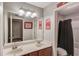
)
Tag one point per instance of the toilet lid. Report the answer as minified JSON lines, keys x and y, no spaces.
{"x":61,"y":51}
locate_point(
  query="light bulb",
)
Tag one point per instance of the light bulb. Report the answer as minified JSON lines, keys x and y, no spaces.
{"x":28,"y":14}
{"x":33,"y":15}
{"x":21,"y":12}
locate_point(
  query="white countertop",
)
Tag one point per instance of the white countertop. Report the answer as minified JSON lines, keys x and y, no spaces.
{"x":25,"y":49}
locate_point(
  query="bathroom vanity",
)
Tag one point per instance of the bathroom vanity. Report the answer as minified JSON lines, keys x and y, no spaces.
{"x":43,"y":52}
{"x":30,"y":50}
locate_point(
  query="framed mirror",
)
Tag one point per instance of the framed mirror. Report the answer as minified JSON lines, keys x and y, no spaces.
{"x":20,"y":28}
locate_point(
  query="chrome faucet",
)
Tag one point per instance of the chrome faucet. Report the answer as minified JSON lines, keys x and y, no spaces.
{"x":14,"y":46}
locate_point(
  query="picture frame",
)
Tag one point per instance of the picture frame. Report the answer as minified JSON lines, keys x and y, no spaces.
{"x":48,"y":24}
{"x":40,"y":24}
{"x":28,"y":25}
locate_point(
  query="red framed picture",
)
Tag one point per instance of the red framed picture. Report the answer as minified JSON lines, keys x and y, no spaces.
{"x":28,"y":25}
{"x":40,"y":24}
{"x":48,"y":24}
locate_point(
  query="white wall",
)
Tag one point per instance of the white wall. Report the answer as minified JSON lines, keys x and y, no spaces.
{"x":1,"y":28}
{"x":49,"y":13}
{"x":15,"y":6}
{"x":75,"y":26}
{"x":49,"y":35}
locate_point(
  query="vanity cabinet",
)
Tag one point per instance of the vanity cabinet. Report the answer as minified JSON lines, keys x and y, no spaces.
{"x":42,"y":52}
{"x":46,"y":52}
{"x":33,"y":53}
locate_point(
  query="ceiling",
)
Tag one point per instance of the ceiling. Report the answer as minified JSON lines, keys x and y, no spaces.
{"x":70,"y":9}
{"x":41,"y":4}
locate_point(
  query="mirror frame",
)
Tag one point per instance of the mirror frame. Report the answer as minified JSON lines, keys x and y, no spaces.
{"x":27,"y":41}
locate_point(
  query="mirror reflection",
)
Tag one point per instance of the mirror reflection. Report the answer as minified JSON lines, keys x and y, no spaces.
{"x":17,"y":30}
{"x":21,"y":29}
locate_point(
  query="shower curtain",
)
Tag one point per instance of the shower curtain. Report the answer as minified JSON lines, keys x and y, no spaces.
{"x":65,"y":36}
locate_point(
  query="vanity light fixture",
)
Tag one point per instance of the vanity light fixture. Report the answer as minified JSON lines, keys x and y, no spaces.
{"x":21,"y":12}
{"x":27,"y":13}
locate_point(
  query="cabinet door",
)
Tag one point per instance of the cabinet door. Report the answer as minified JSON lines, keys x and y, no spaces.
{"x":33,"y":53}
{"x":46,"y":52}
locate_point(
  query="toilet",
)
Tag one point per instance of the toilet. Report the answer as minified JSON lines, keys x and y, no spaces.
{"x":61,"y":52}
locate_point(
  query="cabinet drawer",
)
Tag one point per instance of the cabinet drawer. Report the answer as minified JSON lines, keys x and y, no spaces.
{"x":46,"y":52}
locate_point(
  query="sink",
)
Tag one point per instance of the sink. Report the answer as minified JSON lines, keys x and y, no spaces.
{"x":15,"y":51}
{"x":39,"y":44}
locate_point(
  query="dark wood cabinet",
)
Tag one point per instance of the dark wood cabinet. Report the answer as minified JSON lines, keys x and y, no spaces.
{"x":42,"y":52}
{"x":45,"y":52}
{"x":25,"y":55}
{"x":33,"y":53}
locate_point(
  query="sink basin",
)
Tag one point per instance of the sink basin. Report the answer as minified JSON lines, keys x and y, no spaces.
{"x":15,"y":51}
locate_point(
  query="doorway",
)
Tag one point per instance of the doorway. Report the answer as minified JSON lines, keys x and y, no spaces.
{"x":17,"y":30}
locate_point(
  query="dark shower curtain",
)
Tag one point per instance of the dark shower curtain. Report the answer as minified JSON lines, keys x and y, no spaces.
{"x":65,"y":36}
